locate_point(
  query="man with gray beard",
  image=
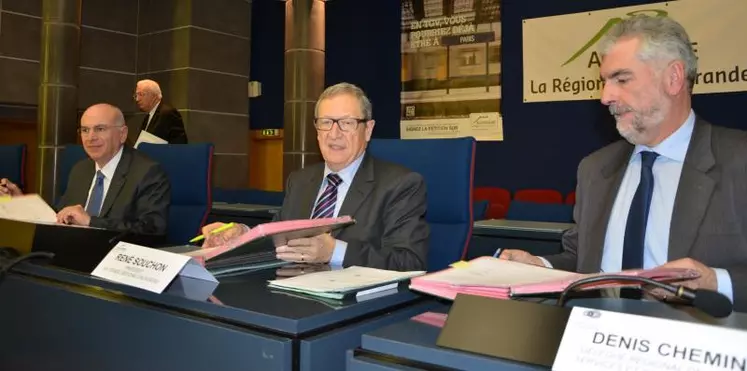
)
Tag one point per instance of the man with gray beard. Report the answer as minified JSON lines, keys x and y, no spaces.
{"x":674,"y":192}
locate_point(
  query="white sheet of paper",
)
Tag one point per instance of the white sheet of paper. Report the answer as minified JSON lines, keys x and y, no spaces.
{"x":343,"y":280}
{"x":149,"y":138}
{"x":28,"y":208}
{"x":496,"y":272}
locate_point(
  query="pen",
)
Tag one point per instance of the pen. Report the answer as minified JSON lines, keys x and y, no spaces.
{"x":497,"y":252}
{"x":214,"y":231}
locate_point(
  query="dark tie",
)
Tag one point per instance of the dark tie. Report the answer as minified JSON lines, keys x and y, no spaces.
{"x":97,"y":195}
{"x":635,"y":229}
{"x":325,"y":206}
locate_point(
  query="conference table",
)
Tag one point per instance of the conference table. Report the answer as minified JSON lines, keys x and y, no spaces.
{"x":538,"y":238}
{"x":51,"y":318}
{"x":411,"y":345}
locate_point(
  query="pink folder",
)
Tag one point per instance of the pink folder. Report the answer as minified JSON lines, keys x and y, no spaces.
{"x":435,"y":285}
{"x":432,"y":318}
{"x":280,"y":232}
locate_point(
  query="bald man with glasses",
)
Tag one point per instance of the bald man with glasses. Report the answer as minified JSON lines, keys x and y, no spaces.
{"x":116,"y":187}
{"x":387,"y":201}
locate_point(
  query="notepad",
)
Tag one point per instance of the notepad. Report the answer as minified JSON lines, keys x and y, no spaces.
{"x":336,"y":284}
{"x":146,"y":137}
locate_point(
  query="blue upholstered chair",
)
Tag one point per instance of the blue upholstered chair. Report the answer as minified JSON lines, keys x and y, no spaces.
{"x":68,"y":158}
{"x":248,"y":196}
{"x":189,"y":167}
{"x":13,"y":163}
{"x":540,"y":212}
{"x":447,"y":165}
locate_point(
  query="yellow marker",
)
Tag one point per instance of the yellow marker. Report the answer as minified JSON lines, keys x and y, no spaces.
{"x":4,"y":198}
{"x":214,"y":231}
{"x":460,"y":264}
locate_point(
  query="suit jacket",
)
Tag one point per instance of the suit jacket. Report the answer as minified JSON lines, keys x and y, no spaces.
{"x":166,"y":124}
{"x":709,"y":219}
{"x":388,"y":203}
{"x":138,"y":198}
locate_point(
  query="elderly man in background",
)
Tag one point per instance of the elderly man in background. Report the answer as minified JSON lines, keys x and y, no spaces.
{"x":161,"y":120}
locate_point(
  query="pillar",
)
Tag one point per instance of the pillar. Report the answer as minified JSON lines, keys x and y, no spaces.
{"x":58,"y":80}
{"x":304,"y":81}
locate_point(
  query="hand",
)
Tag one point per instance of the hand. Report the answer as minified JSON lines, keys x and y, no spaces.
{"x":317,"y":249}
{"x":707,"y":279}
{"x":7,"y":188}
{"x":521,"y":256}
{"x":74,"y":215}
{"x":221,"y":238}
{"x":292,"y":270}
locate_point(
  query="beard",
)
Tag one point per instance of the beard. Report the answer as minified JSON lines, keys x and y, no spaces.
{"x":643,"y":126}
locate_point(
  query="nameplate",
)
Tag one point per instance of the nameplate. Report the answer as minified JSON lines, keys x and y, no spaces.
{"x":606,"y":341}
{"x":154,"y":270}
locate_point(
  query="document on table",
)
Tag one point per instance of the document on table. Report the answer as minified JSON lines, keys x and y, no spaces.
{"x":146,"y":137}
{"x":28,"y":208}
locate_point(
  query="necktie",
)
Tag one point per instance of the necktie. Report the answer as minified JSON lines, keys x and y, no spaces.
{"x":635,"y":229}
{"x":325,"y":206}
{"x":97,"y":195}
{"x":145,"y":122}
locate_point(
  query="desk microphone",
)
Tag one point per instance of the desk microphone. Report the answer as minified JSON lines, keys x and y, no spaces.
{"x":33,"y":255}
{"x":710,"y":302}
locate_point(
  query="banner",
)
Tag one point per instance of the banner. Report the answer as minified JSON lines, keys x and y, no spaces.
{"x":451,"y":69}
{"x":561,"y":60}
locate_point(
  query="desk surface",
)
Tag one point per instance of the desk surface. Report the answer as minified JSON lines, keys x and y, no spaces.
{"x":521,"y":225}
{"x":246,"y":300}
{"x":412,"y":340}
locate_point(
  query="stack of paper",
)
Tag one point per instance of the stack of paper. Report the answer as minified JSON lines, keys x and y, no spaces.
{"x":336,"y":284}
{"x":28,"y":208}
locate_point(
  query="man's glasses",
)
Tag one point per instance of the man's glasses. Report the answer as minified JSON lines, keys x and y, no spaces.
{"x":139,"y":95}
{"x":98,"y":129}
{"x":346,"y":124}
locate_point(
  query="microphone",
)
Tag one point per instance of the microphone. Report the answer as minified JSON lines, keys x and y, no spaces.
{"x":33,"y":255}
{"x":710,"y":302}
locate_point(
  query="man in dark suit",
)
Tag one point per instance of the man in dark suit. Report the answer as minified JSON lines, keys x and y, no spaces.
{"x":117,"y":187}
{"x":161,"y":120}
{"x":387,"y":201}
{"x":674,"y":193}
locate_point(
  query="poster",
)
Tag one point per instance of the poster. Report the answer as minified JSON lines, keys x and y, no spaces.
{"x":451,"y":69}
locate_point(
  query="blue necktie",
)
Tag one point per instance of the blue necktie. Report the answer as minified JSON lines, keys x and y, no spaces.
{"x":97,"y":195}
{"x":325,"y":206}
{"x":635,"y":229}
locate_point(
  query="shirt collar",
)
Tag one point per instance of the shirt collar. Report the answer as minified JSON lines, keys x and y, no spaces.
{"x":153,"y":110}
{"x":675,"y":146}
{"x":111,"y":166}
{"x":348,"y":173}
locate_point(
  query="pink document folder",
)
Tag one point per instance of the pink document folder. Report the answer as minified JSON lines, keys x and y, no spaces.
{"x":502,"y":279}
{"x":280,"y":232}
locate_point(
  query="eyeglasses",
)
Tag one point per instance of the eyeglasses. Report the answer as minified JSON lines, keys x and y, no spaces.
{"x":99,"y":129}
{"x":346,"y":124}
{"x":139,"y":95}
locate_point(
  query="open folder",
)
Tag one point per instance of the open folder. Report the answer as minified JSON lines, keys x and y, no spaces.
{"x":503,"y":279}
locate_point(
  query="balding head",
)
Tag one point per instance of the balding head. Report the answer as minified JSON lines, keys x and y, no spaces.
{"x":147,"y":94}
{"x":103,"y":132}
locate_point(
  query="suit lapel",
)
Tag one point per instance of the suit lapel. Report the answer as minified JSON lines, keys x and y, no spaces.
{"x":693,"y":192}
{"x":120,"y":175}
{"x":604,"y":188}
{"x":79,"y":193}
{"x":308,"y":195}
{"x":363,"y":183}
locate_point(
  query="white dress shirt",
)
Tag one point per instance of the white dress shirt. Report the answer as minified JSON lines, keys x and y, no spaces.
{"x":150,"y":115}
{"x":108,"y":171}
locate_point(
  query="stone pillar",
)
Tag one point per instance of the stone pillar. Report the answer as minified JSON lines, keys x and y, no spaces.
{"x":198,"y":51}
{"x":58,"y":80}
{"x":304,"y":81}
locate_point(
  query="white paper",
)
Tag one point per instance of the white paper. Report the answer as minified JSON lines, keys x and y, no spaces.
{"x":140,"y":266}
{"x":611,"y":341}
{"x":28,"y":208}
{"x":497,"y":272}
{"x":147,"y":137}
{"x":343,"y":280}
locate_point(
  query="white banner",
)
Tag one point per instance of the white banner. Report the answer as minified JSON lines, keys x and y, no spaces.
{"x":561,"y":62}
{"x":482,"y":126}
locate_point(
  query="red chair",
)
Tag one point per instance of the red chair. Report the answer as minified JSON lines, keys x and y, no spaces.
{"x":499,"y":199}
{"x":571,"y":198}
{"x":542,"y":196}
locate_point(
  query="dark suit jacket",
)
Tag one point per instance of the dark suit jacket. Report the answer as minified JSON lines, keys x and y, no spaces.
{"x":388,"y":203}
{"x":709,"y":219}
{"x":166,"y":124}
{"x":138,"y":198}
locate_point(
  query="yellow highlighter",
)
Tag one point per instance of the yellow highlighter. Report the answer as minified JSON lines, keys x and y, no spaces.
{"x":214,"y":231}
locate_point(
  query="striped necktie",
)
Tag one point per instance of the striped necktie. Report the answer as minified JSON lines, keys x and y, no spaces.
{"x":325,"y":206}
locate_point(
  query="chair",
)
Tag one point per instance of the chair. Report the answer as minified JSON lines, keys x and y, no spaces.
{"x":571,"y":198}
{"x":447,"y":165}
{"x":540,"y":212}
{"x":189,"y":168}
{"x":13,"y":163}
{"x":545,"y":196}
{"x":248,"y":196}
{"x":480,"y":210}
{"x":499,"y":199}
{"x":70,"y":156}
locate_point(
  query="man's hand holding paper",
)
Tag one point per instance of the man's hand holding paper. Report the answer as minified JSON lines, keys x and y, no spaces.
{"x":7,"y":188}
{"x":317,"y":249}
{"x":74,"y":215}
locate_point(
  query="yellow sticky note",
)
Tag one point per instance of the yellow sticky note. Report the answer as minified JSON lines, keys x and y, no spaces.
{"x":460,"y":264}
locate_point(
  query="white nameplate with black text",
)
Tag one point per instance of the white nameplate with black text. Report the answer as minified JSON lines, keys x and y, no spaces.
{"x":610,"y":341}
{"x":147,"y":268}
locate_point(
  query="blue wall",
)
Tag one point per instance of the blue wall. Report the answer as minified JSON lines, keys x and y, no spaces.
{"x":544,"y":141}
